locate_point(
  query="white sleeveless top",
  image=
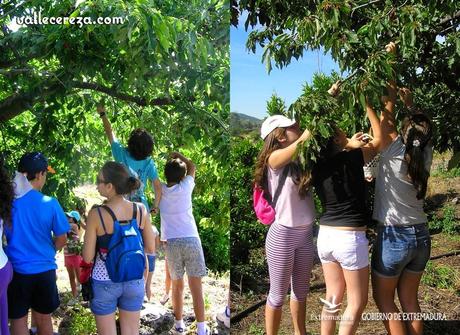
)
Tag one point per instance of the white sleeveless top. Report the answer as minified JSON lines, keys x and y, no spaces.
{"x":291,"y":210}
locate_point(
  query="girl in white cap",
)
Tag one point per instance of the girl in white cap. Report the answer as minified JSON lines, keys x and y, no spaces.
{"x":289,"y":243}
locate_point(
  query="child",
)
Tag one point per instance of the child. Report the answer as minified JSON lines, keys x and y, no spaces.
{"x":72,"y":251}
{"x":342,"y":244}
{"x":183,"y":245}
{"x":402,"y":247}
{"x":151,"y":257}
{"x":136,"y":157}
{"x":289,"y":242}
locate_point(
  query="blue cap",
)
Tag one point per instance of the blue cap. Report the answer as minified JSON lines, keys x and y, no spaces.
{"x":73,"y":214}
{"x":33,"y":162}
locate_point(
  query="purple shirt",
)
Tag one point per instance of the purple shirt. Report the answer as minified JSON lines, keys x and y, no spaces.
{"x":291,"y":210}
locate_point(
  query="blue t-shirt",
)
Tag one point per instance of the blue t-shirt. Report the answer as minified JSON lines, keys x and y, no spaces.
{"x":144,"y":170}
{"x":35,"y":219}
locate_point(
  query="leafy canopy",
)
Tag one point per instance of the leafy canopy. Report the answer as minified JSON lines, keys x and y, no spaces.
{"x":355,"y":33}
{"x":164,"y":68}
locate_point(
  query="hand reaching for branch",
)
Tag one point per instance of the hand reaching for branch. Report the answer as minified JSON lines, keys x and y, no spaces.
{"x":406,"y":96}
{"x":391,"y":47}
{"x":335,"y":88}
{"x":100,"y":108}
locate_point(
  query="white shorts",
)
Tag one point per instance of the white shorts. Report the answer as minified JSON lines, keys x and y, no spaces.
{"x":347,"y":247}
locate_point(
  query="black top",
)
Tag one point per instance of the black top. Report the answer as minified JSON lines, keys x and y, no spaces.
{"x":340,"y":186}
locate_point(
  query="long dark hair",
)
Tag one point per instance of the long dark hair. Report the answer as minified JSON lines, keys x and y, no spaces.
{"x":271,"y":143}
{"x":416,"y":133}
{"x":117,"y":174}
{"x":6,"y":195}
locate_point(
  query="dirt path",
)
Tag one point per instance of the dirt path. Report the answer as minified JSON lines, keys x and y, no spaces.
{"x":215,"y":291}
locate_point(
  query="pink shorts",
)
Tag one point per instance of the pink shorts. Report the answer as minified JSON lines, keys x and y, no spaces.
{"x":72,"y":261}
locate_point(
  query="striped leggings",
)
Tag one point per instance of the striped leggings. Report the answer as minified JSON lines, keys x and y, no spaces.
{"x":290,"y":260}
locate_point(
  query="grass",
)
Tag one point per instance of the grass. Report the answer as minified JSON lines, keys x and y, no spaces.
{"x":443,"y":172}
{"x":440,"y":276}
{"x":447,"y":223}
{"x":83,"y":323}
{"x":256,"y":330}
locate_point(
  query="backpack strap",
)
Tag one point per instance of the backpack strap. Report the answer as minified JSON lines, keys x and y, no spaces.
{"x":281,"y":183}
{"x":102,"y":220}
{"x":112,"y":214}
{"x":135,"y":209}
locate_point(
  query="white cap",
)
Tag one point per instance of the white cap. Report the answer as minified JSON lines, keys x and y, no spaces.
{"x":273,"y":122}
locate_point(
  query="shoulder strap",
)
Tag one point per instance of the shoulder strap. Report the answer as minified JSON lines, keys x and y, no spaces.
{"x":134,"y":211}
{"x":102,"y":220}
{"x":112,"y":214}
{"x":281,"y":182}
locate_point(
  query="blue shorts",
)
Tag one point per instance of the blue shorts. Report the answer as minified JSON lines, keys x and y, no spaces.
{"x":401,"y":248}
{"x":108,"y":295}
{"x":151,"y":260}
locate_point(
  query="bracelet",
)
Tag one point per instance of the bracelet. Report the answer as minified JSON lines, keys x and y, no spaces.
{"x":102,"y":114}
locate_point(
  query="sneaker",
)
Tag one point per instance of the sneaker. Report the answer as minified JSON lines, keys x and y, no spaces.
{"x":165,"y":299}
{"x":178,"y":331}
{"x":224,"y":318}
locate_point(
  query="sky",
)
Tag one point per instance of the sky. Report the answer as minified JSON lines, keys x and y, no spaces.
{"x":250,"y":84}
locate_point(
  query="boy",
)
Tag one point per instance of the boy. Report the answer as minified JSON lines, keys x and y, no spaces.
{"x":32,"y":249}
{"x":183,"y":247}
{"x":136,"y":157}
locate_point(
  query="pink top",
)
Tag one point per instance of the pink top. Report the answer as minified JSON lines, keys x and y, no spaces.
{"x":291,"y":210}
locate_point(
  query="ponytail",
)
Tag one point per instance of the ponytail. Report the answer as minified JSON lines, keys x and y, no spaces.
{"x":117,"y":174}
{"x":417,"y":132}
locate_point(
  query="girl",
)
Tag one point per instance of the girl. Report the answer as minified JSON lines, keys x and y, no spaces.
{"x":403,"y":243}
{"x":113,"y":181}
{"x":339,"y":181}
{"x":289,"y":244}
{"x":6,"y":270}
{"x":72,"y":256}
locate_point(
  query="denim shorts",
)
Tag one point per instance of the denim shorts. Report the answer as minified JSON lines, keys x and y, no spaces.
{"x":185,"y":254}
{"x":151,"y":260}
{"x":108,"y":295}
{"x":401,"y":248}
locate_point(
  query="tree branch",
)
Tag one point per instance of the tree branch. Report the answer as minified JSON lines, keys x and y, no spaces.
{"x":141,"y":101}
{"x":19,"y":102}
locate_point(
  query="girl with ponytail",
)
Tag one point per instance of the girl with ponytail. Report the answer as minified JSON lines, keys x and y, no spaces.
{"x":403,"y":245}
{"x":113,"y":182}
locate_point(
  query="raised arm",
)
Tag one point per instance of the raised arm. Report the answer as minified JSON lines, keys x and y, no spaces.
{"x":371,"y":149}
{"x":387,"y":118}
{"x":282,"y":157}
{"x":105,"y":121}
{"x":191,"y":169}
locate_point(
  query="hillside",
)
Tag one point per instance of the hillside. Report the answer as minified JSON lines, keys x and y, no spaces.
{"x":243,"y":124}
